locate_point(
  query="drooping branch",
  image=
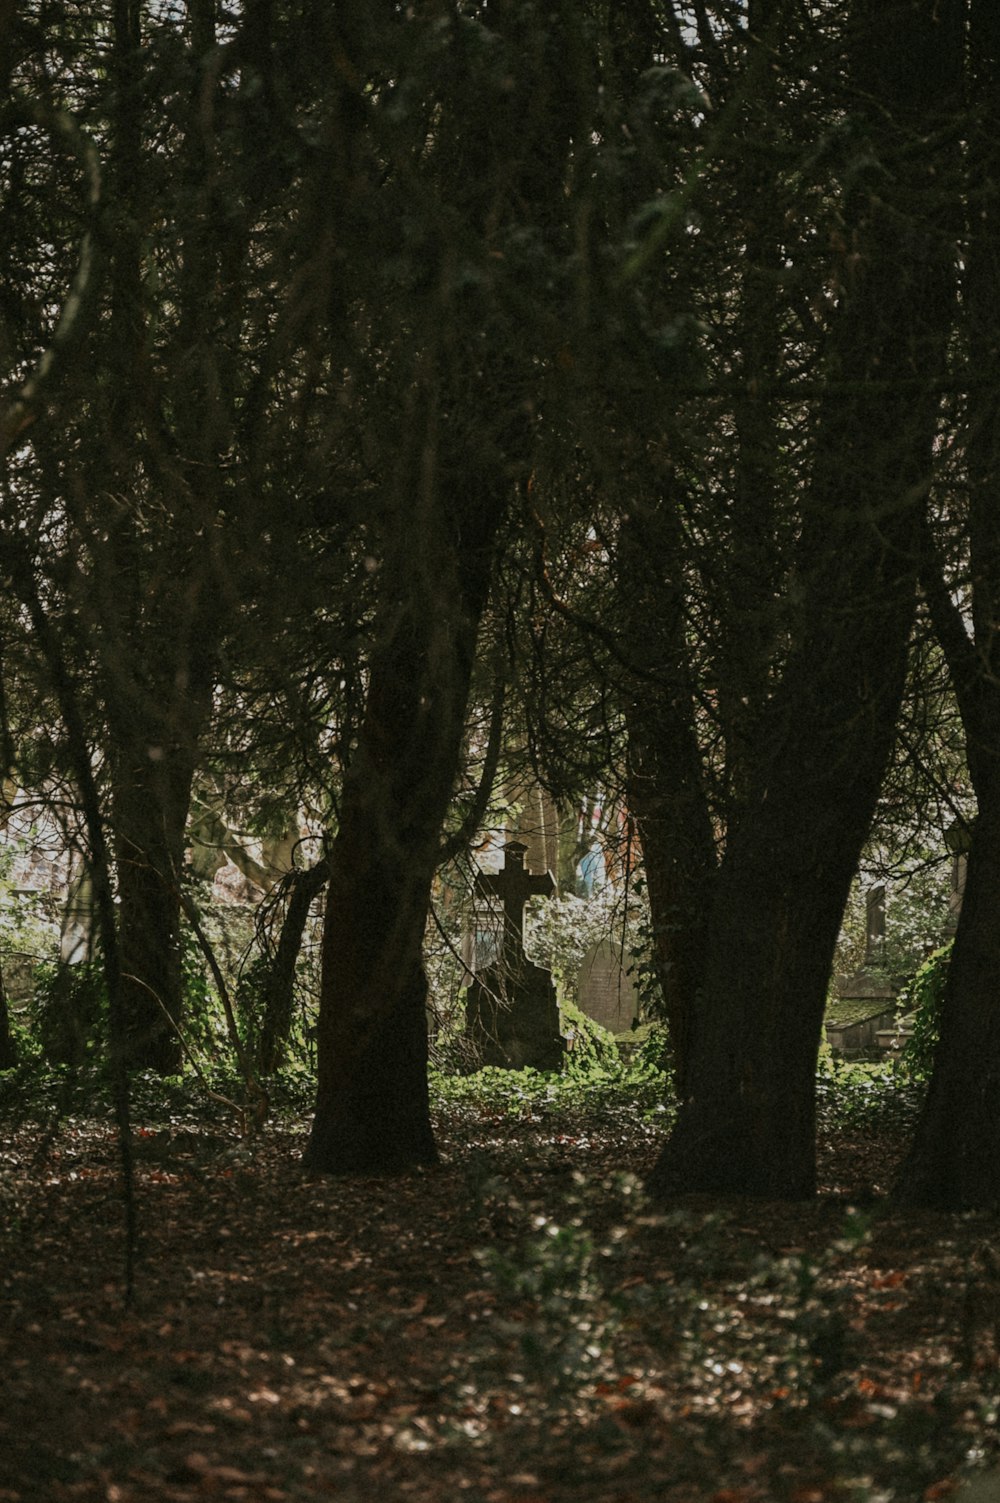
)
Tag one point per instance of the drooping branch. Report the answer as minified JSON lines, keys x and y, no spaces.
{"x":949,"y":628}
{"x":257,"y":1094}
{"x":459,"y":840}
{"x":16,"y":564}
{"x":304,"y":887}
{"x":24,"y":408}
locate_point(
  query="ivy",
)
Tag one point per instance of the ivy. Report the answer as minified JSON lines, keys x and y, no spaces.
{"x":923,"y":997}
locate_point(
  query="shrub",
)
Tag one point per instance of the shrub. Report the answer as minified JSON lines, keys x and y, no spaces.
{"x":70,"y":1006}
{"x":866,"y":1097}
{"x":922,"y":996}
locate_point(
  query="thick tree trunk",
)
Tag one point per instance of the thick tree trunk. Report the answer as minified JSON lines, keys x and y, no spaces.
{"x":8,"y":1050}
{"x":372,"y":1110}
{"x":149,"y":812}
{"x":954,"y":1161}
{"x":464,"y":447}
{"x":665,"y":783}
{"x":747,"y":1124}
{"x":380,"y":1119}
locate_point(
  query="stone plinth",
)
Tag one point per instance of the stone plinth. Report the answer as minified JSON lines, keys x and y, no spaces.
{"x":513,"y":1019}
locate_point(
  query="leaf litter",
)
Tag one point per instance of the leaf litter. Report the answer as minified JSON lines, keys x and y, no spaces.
{"x":518,"y":1325}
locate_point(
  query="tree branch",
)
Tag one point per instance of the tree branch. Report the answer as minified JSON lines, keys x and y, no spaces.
{"x":22,"y":411}
{"x":459,"y":840}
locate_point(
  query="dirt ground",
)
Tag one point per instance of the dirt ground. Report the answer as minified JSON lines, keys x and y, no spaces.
{"x":515,"y":1326}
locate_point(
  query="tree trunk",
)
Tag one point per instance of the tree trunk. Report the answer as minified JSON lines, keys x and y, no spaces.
{"x":954,"y":1161}
{"x":149,"y":812}
{"x":747,"y":1125}
{"x":665,"y":784}
{"x":372,"y":1108}
{"x":8,"y":1050}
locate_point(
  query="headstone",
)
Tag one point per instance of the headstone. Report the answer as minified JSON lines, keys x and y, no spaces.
{"x":875,"y":928}
{"x":605,"y":992}
{"x":864,"y":1005}
{"x":76,"y":930}
{"x":512,"y":1015}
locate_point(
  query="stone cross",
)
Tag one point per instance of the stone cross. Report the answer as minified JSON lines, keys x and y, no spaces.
{"x":514,"y":886}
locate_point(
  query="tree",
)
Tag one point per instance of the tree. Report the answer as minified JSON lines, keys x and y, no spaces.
{"x":482,"y":191}
{"x":147,"y":498}
{"x":748,"y":1121}
{"x":953,"y":1161}
{"x":805,"y":704}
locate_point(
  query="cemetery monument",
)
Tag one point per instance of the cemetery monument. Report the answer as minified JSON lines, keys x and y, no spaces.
{"x":511,"y":1012}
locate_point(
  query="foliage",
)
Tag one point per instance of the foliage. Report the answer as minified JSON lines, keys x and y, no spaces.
{"x":921,"y":1000}
{"x":588,"y":1045}
{"x":605,"y":1084}
{"x":444,"y":968}
{"x":70,"y":1006}
{"x":561,"y":930}
{"x":643,"y":967}
{"x":649,"y":1047}
{"x":557,"y":1338}
{"x":29,"y":933}
{"x":866,"y":1097}
{"x":67,"y":1014}
{"x":551,"y":1305}
{"x":916,"y":910}
{"x":215,"y":523}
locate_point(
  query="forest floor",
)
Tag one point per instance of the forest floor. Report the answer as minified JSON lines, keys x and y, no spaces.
{"x":517,"y":1325}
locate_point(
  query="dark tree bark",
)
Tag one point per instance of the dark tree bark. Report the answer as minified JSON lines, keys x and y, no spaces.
{"x":163,"y":552}
{"x":8,"y":1050}
{"x":954,"y":1162}
{"x":470,"y":375}
{"x":665,"y":784}
{"x":372,"y":1109}
{"x":747,"y":1125}
{"x":149,"y":806}
{"x":682,"y":808}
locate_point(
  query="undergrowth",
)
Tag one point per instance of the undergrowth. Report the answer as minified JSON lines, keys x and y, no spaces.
{"x":864,"y":1096}
{"x":593,"y":1083}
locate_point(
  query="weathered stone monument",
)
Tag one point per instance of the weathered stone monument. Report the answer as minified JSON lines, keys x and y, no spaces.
{"x":875,"y":928}
{"x":865,"y":1003}
{"x":605,"y":990}
{"x":511,"y":1012}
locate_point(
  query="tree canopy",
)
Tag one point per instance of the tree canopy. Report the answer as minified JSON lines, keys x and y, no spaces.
{"x":604,"y":389}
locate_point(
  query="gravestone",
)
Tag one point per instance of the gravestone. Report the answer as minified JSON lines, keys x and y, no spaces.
{"x":875,"y":928}
{"x":865,"y":1004}
{"x":605,"y":992}
{"x":511,"y":1012}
